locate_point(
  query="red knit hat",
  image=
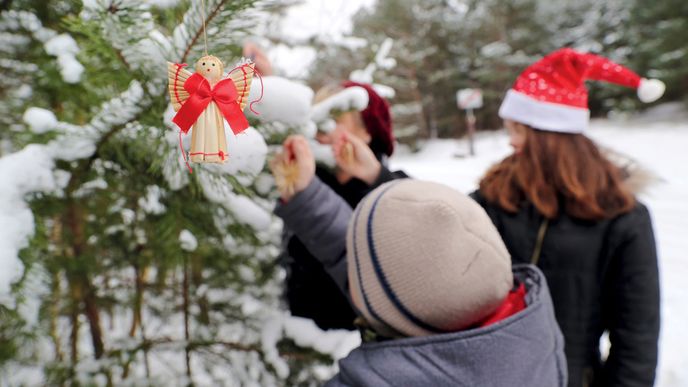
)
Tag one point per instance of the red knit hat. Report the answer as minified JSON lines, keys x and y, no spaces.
{"x":377,"y":120}
{"x":550,"y":94}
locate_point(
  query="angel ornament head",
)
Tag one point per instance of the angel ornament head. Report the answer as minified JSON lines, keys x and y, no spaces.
{"x":211,"y":68}
{"x":204,"y":100}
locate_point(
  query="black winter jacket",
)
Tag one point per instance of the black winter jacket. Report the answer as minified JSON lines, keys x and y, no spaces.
{"x":603,"y":276}
{"x":310,"y":291}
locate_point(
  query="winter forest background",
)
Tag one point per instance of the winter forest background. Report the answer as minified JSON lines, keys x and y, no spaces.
{"x":117,"y":267}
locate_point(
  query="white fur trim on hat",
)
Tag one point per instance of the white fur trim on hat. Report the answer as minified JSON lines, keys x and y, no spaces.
{"x":543,"y":115}
{"x":650,"y":90}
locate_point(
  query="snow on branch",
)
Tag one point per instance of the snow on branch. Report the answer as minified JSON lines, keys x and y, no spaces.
{"x":304,"y":332}
{"x":29,"y":170}
{"x":140,"y":44}
{"x":227,"y":23}
{"x":218,"y":190}
{"x":381,"y":61}
{"x":40,"y":120}
{"x":62,"y":46}
{"x":283,"y":100}
{"x":353,"y":98}
{"x":189,"y":32}
{"x":78,"y":142}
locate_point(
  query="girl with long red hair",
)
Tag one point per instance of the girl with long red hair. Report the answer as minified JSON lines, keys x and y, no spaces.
{"x":559,"y":203}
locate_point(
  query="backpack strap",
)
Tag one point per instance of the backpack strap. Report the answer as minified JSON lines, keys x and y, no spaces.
{"x":538,"y":243}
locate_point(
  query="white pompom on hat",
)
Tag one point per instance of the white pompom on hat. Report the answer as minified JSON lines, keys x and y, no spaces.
{"x":550,"y":94}
{"x":650,"y":90}
{"x":424,"y":258}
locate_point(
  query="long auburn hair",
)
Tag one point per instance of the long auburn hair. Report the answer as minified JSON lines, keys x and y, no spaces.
{"x":558,"y":171}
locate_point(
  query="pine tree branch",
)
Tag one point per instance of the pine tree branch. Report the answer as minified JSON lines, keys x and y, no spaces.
{"x":86,"y":164}
{"x":148,"y":344}
{"x":199,"y":32}
{"x":123,"y":59}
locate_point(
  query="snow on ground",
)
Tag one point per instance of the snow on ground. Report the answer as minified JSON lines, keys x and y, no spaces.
{"x":659,"y":145}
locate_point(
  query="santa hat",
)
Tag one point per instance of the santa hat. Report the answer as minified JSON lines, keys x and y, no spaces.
{"x":551,"y":95}
{"x":377,"y":119}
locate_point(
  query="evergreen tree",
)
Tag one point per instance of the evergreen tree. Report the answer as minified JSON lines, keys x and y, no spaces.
{"x":442,"y":46}
{"x":657,"y":47}
{"x":130,"y":269}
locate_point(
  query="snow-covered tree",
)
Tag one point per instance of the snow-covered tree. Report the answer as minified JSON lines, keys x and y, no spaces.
{"x":120,"y":267}
{"x":439,"y":47}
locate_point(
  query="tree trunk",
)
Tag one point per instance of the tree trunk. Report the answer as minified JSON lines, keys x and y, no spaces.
{"x":138,"y":297}
{"x":201,"y":300}
{"x":91,"y":310}
{"x":80,"y":280}
{"x":418,"y":97}
{"x":185,"y":292}
{"x":55,"y":297}
{"x":74,"y":316}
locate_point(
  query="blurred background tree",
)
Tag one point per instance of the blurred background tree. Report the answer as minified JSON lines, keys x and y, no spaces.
{"x":441,"y":46}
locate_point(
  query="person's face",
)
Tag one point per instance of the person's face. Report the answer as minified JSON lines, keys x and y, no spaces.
{"x":517,"y":135}
{"x":346,"y":123}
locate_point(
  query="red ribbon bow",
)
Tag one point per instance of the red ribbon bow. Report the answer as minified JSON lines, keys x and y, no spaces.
{"x":224,"y":94}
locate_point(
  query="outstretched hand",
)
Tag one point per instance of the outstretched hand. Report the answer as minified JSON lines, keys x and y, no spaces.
{"x":257,"y":55}
{"x":294,"y":168}
{"x":354,"y":157}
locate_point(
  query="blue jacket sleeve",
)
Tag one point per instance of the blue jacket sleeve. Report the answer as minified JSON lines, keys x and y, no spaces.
{"x":319,"y":218}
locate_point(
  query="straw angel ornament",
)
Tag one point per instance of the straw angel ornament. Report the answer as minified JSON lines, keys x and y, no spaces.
{"x":204,"y":99}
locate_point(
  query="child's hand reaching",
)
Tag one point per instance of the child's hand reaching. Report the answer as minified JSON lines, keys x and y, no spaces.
{"x":294,"y":168}
{"x":355,"y":158}
{"x":257,"y":55}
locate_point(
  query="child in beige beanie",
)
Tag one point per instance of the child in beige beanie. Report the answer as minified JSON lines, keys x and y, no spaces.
{"x":429,"y":274}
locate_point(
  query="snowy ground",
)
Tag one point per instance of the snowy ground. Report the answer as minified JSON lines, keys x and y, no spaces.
{"x":659,"y":145}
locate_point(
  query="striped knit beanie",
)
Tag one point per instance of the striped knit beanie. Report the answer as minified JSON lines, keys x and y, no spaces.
{"x":424,"y":259}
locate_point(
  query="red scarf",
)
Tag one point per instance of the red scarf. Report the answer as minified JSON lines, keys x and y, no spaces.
{"x":513,"y":303}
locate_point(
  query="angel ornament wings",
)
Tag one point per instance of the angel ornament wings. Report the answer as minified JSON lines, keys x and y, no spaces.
{"x":204,"y":99}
